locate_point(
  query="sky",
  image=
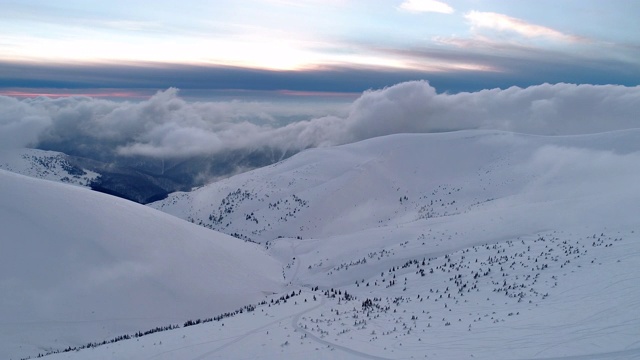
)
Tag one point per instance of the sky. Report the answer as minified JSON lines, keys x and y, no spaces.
{"x":311,"y":47}
{"x":124,"y":80}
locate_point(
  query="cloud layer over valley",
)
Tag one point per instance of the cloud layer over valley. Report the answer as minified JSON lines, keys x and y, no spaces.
{"x":167,"y":126}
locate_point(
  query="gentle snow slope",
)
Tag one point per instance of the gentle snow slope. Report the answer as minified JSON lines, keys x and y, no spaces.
{"x":79,"y":266}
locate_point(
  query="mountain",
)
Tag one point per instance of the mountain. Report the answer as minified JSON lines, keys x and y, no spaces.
{"x":474,"y":244}
{"x":118,"y":180}
{"x":48,"y":165}
{"x":79,"y":266}
{"x":400,"y":181}
{"x":463,"y":245}
{"x":138,"y":179}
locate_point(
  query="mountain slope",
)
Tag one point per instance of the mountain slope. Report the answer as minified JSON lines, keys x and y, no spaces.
{"x":555,"y":296}
{"x":48,"y":165}
{"x":115,"y":179}
{"x":400,"y":179}
{"x":467,"y":245}
{"x":79,"y":266}
{"x":476,"y":244}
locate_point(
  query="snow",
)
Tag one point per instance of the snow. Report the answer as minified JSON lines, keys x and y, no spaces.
{"x":580,"y":310}
{"x":48,"y":165}
{"x":79,"y":266}
{"x":465,"y":245}
{"x":467,"y":175}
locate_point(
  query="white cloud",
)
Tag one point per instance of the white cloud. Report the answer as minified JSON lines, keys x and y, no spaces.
{"x":167,"y":126}
{"x":561,"y":109}
{"x":426,"y":6}
{"x":501,"y":22}
{"x":20,"y":123}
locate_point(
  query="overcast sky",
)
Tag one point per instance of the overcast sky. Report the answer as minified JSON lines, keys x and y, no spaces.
{"x":309,"y":46}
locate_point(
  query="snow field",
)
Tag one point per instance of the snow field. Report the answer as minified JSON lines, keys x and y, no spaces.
{"x":466,"y":245}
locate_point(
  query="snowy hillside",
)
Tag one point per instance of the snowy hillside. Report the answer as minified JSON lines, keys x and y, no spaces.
{"x":484,"y":245}
{"x":111,"y":178}
{"x":48,"y":165}
{"x":398,"y":181}
{"x":79,"y":266}
{"x":555,"y":296}
{"x":466,"y":245}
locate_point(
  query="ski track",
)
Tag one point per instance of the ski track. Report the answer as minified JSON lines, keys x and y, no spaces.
{"x":348,"y":350}
{"x":254,"y":331}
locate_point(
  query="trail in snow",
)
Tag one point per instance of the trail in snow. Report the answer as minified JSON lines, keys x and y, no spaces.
{"x":255,"y":331}
{"x":311,"y":336}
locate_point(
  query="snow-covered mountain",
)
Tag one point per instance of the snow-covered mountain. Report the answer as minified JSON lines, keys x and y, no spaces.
{"x":465,"y":245}
{"x":48,"y":165}
{"x":401,"y":181}
{"x":111,"y":178}
{"x":79,"y":266}
{"x":475,"y":244}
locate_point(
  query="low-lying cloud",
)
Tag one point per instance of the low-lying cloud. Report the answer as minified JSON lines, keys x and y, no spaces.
{"x":20,"y":123}
{"x":166,"y":126}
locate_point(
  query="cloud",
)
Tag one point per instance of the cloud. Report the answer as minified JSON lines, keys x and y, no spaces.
{"x":302,"y":3}
{"x":561,"y":109}
{"x":560,"y":166}
{"x":520,"y":65}
{"x":426,"y":6}
{"x":501,"y":22}
{"x":20,"y":123}
{"x":167,"y":126}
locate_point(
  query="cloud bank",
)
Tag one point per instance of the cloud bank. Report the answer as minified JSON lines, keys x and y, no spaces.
{"x":166,"y":126}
